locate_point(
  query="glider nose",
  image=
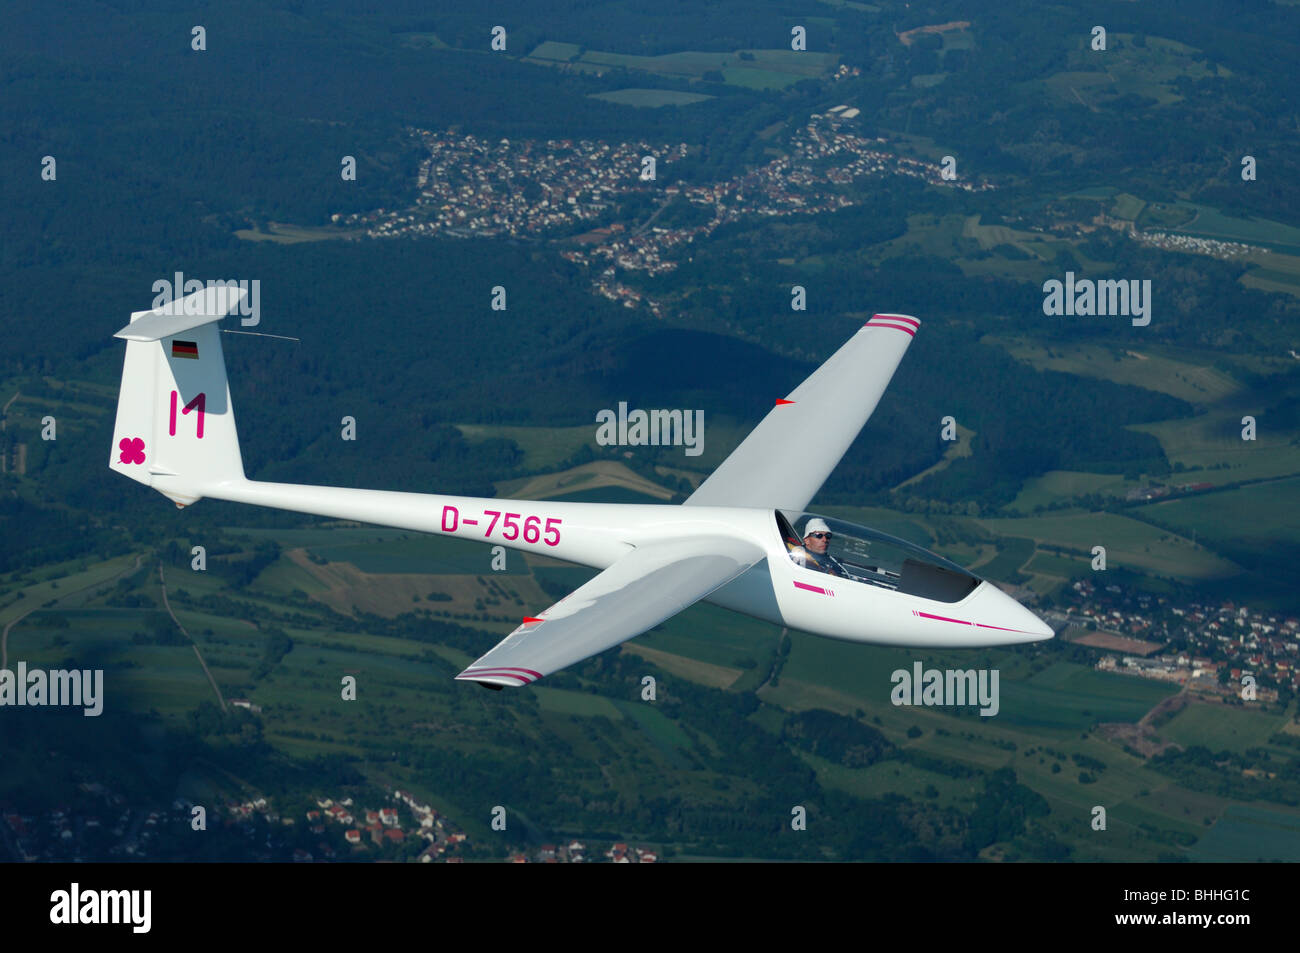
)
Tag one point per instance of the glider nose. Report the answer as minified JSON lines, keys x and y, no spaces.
{"x":995,"y":611}
{"x":1025,"y":621}
{"x":1043,"y":630}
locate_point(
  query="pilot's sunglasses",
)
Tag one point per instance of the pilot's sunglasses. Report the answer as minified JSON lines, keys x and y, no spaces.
{"x":819,"y":535}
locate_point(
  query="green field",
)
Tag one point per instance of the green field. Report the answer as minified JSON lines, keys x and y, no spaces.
{"x":284,"y":575}
{"x":1068,"y":698}
{"x":1221,"y":728}
{"x":989,"y":236}
{"x":1044,"y":709}
{"x":961,"y":447}
{"x":1127,"y":206}
{"x":942,"y":236}
{"x":957,"y":238}
{"x":755,"y":69}
{"x":1273,"y":271}
{"x":1272,"y":279}
{"x":864,"y":671}
{"x":61,"y":582}
{"x":1129,"y":543}
{"x":137,"y":677}
{"x":1094,"y":192}
{"x":714,"y":635}
{"x":1161,"y":216}
{"x":1151,"y":71}
{"x":1066,"y":568}
{"x":852,"y":5}
{"x":283,"y":234}
{"x":1057,"y":485}
{"x":1247,"y":833}
{"x":1211,"y":223}
{"x":554,"y":50}
{"x":575,"y":703}
{"x":1144,"y":367}
{"x":927,"y":80}
{"x":651,"y":98}
{"x":423,"y":41}
{"x":307,"y":537}
{"x":424,"y":555}
{"x":601,"y":474}
{"x":759,"y":78}
{"x":1013,"y":552}
{"x":544,"y":447}
{"x":666,"y":735}
{"x":894,"y":777}
{"x":374,"y":550}
{"x":1258,"y":516}
{"x":1064,"y":698}
{"x":1211,"y":449}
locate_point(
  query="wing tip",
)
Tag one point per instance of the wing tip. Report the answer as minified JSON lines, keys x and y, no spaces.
{"x":498,"y":676}
{"x":898,"y":322}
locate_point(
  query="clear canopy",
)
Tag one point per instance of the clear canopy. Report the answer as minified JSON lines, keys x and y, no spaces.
{"x":864,"y":555}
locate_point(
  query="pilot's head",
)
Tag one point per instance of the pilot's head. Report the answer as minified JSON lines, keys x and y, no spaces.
{"x":816,"y":535}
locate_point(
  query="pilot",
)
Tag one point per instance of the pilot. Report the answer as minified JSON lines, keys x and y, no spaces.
{"x":813,"y":554}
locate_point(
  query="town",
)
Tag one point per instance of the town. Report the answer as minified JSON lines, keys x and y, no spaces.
{"x":105,"y":827}
{"x":569,"y":191}
{"x":1210,"y":647}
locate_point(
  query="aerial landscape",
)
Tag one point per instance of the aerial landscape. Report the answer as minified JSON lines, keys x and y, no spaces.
{"x":477,"y":252}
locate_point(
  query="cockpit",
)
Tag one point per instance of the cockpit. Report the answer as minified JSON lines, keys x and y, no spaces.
{"x":858,"y":554}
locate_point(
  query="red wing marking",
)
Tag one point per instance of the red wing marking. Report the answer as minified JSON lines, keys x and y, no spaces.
{"x":898,"y":322}
{"x":911,"y":332}
{"x":942,"y":618}
{"x":980,"y":625}
{"x":817,"y":589}
{"x":524,"y":675}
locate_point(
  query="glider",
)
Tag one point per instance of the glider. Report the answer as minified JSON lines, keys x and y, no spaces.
{"x":743,"y":540}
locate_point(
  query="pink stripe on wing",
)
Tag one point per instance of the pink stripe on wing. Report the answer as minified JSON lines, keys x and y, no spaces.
{"x":501,"y":668}
{"x":473,"y":676}
{"x":897,"y":327}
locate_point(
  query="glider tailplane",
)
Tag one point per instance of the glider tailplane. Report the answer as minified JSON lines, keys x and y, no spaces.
{"x":175,"y":429}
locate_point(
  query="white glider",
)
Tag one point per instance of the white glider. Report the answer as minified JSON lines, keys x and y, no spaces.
{"x":742,"y":540}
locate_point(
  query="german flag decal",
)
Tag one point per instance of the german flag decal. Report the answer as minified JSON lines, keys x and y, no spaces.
{"x":185,"y":349}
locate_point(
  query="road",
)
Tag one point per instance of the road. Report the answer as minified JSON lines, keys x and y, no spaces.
{"x":4,"y":420}
{"x":4,"y":639}
{"x":167,"y":605}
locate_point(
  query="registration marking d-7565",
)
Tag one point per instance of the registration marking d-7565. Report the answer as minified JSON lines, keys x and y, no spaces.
{"x":531,"y":530}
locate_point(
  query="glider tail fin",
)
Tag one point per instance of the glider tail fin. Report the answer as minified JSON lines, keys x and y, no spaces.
{"x":175,"y":428}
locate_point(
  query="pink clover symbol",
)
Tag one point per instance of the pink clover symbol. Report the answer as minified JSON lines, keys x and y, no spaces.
{"x":132,"y":450}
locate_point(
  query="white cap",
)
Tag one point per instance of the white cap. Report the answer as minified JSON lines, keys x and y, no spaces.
{"x":815,"y":525}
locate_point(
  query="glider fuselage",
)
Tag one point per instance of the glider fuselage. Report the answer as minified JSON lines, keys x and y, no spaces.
{"x":599,"y":534}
